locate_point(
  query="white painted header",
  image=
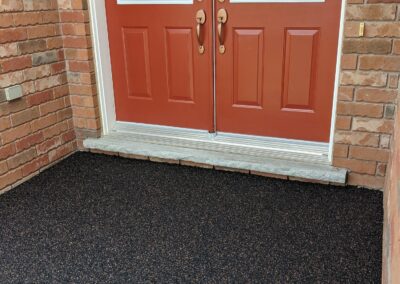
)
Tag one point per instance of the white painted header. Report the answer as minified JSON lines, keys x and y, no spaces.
{"x":151,"y":2}
{"x":277,"y":1}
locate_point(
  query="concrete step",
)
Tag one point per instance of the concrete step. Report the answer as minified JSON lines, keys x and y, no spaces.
{"x":124,"y":145}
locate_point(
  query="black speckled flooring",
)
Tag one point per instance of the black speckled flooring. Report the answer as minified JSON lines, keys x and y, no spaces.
{"x":95,"y":218}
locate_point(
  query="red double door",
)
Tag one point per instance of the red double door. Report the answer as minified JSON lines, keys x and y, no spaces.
{"x":250,"y":68}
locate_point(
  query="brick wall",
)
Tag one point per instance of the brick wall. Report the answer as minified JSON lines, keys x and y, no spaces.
{"x":38,"y":129}
{"x":74,"y":17}
{"x":391,"y":236}
{"x":368,"y":90}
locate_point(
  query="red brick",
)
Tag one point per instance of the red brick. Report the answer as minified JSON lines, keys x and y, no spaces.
{"x":349,"y":61}
{"x":51,"y":106}
{"x":368,"y":153}
{"x":371,"y":12}
{"x":41,"y":31}
{"x":359,"y":78}
{"x":24,"y":19}
{"x":12,"y":107}
{"x":37,"y":72}
{"x":382,"y":29}
{"x":77,"y":42}
{"x":340,"y":150}
{"x":381,"y":169}
{"x":7,"y":151}
{"x":29,"y":141}
{"x":17,"y":63}
{"x":10,"y":6}
{"x":3,"y":167}
{"x":57,"y":67}
{"x":356,"y":138}
{"x":85,"y":112}
{"x":343,"y":122}
{"x":346,"y":93}
{"x":61,"y":91}
{"x":6,"y":20}
{"x":9,"y":178}
{"x":78,"y":54}
{"x":54,"y":42}
{"x":48,"y":145}
{"x":24,"y":116}
{"x":372,"y":125}
{"x":360,"y":109}
{"x":16,"y":133}
{"x":364,"y":46}
{"x":369,"y":181}
{"x":49,"y":82}
{"x":379,"y":62}
{"x":44,"y":122}
{"x":74,"y":16}
{"x":14,"y":34}
{"x":396,"y":46}
{"x":68,"y":136}
{"x":75,"y":29}
{"x":375,"y":95}
{"x":50,"y":17}
{"x":40,"y":98}
{"x":64,"y":114}
{"x":10,"y":79}
{"x":5,"y":123}
{"x":32,"y":46}
{"x":21,"y":158}
{"x":55,"y":130}
{"x":393,"y":81}
{"x":35,"y":165}
{"x":62,"y":151}
{"x":30,"y":5}
{"x":358,"y":166}
{"x":8,"y":49}
{"x":80,"y":66}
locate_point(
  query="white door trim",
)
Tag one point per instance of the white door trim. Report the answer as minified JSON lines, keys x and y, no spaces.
{"x":102,"y":59}
{"x":337,"y":80}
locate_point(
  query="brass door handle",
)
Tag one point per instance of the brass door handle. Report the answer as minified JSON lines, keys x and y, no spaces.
{"x":200,"y":19}
{"x":222,"y":18}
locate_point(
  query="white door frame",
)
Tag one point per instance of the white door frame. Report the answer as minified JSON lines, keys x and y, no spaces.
{"x":102,"y":60}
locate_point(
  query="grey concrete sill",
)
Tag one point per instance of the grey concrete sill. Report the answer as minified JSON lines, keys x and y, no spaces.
{"x":220,"y":160}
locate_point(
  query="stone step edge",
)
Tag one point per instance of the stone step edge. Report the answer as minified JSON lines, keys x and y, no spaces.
{"x":297,"y":171}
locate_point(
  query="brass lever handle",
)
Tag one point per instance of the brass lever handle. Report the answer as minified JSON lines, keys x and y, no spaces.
{"x":222,"y":18}
{"x":200,"y":19}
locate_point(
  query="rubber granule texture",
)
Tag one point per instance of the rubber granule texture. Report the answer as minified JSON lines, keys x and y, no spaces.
{"x":94,"y":218}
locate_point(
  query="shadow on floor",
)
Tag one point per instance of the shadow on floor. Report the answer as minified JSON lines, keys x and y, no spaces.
{"x":95,"y":218}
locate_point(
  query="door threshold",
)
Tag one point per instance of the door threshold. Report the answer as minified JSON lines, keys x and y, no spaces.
{"x":268,"y":147}
{"x":258,"y":155}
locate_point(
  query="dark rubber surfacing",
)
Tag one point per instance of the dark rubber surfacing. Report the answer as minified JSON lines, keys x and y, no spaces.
{"x":94,"y":218}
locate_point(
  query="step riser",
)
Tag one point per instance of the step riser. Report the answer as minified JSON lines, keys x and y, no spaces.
{"x":270,"y":167}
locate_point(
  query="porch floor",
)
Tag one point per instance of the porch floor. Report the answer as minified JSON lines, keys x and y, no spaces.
{"x":95,"y":218}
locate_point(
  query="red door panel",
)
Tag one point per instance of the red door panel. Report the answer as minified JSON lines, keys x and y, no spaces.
{"x":159,"y":76}
{"x":276,"y":77}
